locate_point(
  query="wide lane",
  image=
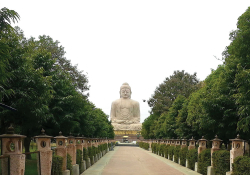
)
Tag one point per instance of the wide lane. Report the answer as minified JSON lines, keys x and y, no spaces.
{"x":136,"y":161}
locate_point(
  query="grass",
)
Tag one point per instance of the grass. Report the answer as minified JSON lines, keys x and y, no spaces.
{"x":31,"y":165}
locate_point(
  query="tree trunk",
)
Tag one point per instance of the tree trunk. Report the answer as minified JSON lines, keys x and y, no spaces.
{"x":27,"y":141}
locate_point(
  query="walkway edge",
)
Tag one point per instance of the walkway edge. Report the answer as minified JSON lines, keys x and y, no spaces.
{"x":174,"y":165}
{"x":97,"y":168}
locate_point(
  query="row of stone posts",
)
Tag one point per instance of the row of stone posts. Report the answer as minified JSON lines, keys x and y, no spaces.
{"x":238,"y":148}
{"x":12,"y":147}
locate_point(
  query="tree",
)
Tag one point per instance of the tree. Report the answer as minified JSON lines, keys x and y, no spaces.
{"x":237,"y":67}
{"x":180,"y":83}
{"x":6,"y":17}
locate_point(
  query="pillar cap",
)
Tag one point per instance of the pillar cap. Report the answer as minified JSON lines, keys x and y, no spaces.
{"x":11,"y":134}
{"x":192,"y":139}
{"x":60,"y":136}
{"x":237,"y":139}
{"x":70,"y":136}
{"x":43,"y":135}
{"x":202,"y":139}
{"x":216,"y":139}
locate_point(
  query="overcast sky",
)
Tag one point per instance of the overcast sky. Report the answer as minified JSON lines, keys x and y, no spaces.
{"x":138,"y":42}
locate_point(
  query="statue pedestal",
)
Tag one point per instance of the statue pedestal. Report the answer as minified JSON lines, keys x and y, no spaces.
{"x":126,"y":136}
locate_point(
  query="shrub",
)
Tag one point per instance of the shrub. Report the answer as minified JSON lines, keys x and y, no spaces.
{"x":157,"y":148}
{"x":79,"y":159}
{"x":57,"y":162}
{"x":69,"y":163}
{"x":171,"y":152}
{"x":85,"y":154}
{"x":90,"y":152}
{"x":241,"y":165}
{"x":183,"y":155}
{"x":176,"y":153}
{"x":162,"y":148}
{"x":192,"y":156}
{"x":153,"y":147}
{"x":221,"y":162}
{"x":166,"y":151}
{"x":204,"y":160}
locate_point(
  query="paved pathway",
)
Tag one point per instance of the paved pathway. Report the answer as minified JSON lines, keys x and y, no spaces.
{"x":136,"y":161}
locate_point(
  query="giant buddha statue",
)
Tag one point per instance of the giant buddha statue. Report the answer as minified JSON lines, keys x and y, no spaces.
{"x":125,"y":113}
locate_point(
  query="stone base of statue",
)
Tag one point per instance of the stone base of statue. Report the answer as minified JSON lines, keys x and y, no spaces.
{"x":127,"y":136}
{"x":130,"y":127}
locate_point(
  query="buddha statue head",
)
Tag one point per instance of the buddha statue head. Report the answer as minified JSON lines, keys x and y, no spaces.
{"x":125,"y":91}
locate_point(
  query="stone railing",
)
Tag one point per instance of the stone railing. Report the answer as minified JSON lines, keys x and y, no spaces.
{"x":238,"y":148}
{"x":13,"y":160}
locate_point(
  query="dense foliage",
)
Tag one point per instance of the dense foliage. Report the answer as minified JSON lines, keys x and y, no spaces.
{"x":183,"y":155}
{"x":45,"y":88}
{"x":57,"y":163}
{"x":192,"y":157}
{"x":182,"y":106}
{"x":204,"y":160}
{"x":221,"y":161}
{"x":241,"y":165}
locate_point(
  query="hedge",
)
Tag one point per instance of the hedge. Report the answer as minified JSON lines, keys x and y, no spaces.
{"x":79,"y":159}
{"x":221,"y":162}
{"x":183,"y":155}
{"x":166,"y":151}
{"x":153,"y":146}
{"x":204,"y":160}
{"x":177,"y":153}
{"x":192,"y":156}
{"x":171,"y":152}
{"x":241,"y":165}
{"x":144,"y":145}
{"x":69,"y":163}
{"x":157,"y":148}
{"x":161,"y":149}
{"x":57,"y":162}
{"x":85,"y":154}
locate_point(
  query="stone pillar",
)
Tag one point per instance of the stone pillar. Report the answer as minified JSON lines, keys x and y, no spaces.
{"x":168,"y":141}
{"x":191,"y":143}
{"x":237,"y":149}
{"x":85,"y":142}
{"x":172,"y":142}
{"x":215,"y":146}
{"x":71,"y":148}
{"x":12,"y":147}
{"x":177,"y":142}
{"x":202,"y":145}
{"x":183,"y":143}
{"x":79,"y":145}
{"x":61,"y":149}
{"x":43,"y":145}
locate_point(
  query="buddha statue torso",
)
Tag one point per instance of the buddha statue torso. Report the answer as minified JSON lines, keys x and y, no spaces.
{"x":125,"y":113}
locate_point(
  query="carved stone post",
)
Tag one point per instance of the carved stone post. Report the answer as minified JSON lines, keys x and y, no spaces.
{"x":12,"y":146}
{"x":191,"y":143}
{"x":71,"y":148}
{"x":215,"y":146}
{"x":177,"y":142}
{"x":79,"y":145}
{"x":183,"y":143}
{"x":172,"y":142}
{"x":202,"y":145}
{"x":43,"y":145}
{"x":168,"y":142}
{"x":237,"y":149}
{"x":61,"y":149}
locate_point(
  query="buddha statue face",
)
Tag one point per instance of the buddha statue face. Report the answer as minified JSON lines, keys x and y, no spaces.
{"x":125,"y":93}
